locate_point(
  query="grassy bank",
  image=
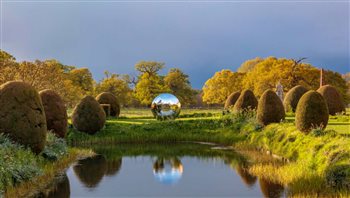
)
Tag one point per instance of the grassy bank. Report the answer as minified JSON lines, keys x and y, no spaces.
{"x":319,"y":163}
{"x":23,"y":174}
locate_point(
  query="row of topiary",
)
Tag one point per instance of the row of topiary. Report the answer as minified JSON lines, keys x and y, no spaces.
{"x":26,"y":115}
{"x":312,"y":108}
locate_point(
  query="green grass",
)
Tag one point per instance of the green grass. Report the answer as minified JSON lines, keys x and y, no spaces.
{"x":23,"y":173}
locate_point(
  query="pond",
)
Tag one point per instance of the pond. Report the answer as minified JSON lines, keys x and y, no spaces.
{"x":174,"y":170}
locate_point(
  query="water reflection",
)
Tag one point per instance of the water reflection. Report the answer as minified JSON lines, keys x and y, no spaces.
{"x":61,"y":189}
{"x":248,"y":179}
{"x":113,"y":166}
{"x":270,"y":189}
{"x":168,"y":171}
{"x":208,"y":173}
{"x":91,"y":170}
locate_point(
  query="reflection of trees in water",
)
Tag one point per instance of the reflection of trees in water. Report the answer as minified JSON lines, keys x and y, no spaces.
{"x":174,"y":162}
{"x":91,"y":170}
{"x":60,"y":190}
{"x":270,"y":189}
{"x":246,"y":177}
{"x":113,"y":166}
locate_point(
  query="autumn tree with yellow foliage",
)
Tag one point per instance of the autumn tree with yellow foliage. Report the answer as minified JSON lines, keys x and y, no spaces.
{"x":221,"y":85}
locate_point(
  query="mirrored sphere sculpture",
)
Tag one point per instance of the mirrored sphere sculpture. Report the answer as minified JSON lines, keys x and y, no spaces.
{"x":168,"y":171}
{"x":166,"y":106}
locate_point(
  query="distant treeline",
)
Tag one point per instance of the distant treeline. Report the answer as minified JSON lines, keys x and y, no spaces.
{"x":258,"y":74}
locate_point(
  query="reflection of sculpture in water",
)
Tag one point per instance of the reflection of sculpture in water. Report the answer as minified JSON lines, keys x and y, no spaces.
{"x":113,"y":166}
{"x":246,"y":177}
{"x":60,"y":190}
{"x":91,"y":170}
{"x":168,"y":171}
{"x":270,"y":189}
{"x":166,"y":106}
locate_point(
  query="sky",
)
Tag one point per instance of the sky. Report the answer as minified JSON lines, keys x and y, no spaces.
{"x":199,"y":37}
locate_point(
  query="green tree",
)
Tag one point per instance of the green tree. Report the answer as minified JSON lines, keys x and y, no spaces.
{"x":148,"y":87}
{"x":221,"y":85}
{"x":180,"y":86}
{"x":116,"y":85}
{"x":149,"y":67}
{"x":82,"y":78}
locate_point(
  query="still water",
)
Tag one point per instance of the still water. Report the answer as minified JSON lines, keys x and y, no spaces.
{"x":186,"y":170}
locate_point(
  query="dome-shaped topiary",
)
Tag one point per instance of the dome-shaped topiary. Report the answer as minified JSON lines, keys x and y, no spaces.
{"x":231,"y":100}
{"x":55,"y":111}
{"x":91,"y":170}
{"x":293,"y":96}
{"x":109,"y":98}
{"x":22,"y":115}
{"x":312,"y":112}
{"x":333,"y":99}
{"x":246,"y":101}
{"x":270,"y":108}
{"x":88,"y":116}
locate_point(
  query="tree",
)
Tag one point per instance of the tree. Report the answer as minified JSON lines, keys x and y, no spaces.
{"x":149,"y":67}
{"x":148,"y":87}
{"x":82,"y":78}
{"x":180,"y":86}
{"x":221,"y":85}
{"x":266,"y":74}
{"x":8,"y":67}
{"x":249,"y":65}
{"x":116,"y":85}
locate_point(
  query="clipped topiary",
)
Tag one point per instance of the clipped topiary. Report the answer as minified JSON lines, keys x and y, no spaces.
{"x":22,"y":115}
{"x":231,"y":99}
{"x":270,"y":108}
{"x":109,"y":98}
{"x":88,"y":116}
{"x":312,"y":112}
{"x":333,"y":99}
{"x":55,"y":111}
{"x":246,"y":101}
{"x":91,"y":170}
{"x":293,"y":96}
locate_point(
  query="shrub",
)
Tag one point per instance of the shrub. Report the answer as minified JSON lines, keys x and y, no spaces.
{"x":270,"y":108}
{"x":55,"y":147}
{"x":293,"y":96}
{"x":109,"y":98}
{"x":312,"y":112}
{"x":338,"y":176}
{"x":91,"y":170}
{"x":246,"y":101}
{"x":88,"y":116}
{"x":55,"y":112}
{"x":333,"y":99}
{"x":22,"y":115}
{"x":17,"y":164}
{"x":231,"y":100}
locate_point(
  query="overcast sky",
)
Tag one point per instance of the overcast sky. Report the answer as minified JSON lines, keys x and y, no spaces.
{"x":198,"y":37}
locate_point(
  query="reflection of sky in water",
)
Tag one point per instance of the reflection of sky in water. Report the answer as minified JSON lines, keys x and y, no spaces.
{"x":168,"y":176}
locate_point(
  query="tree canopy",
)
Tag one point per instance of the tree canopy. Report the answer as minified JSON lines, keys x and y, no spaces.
{"x":221,"y":85}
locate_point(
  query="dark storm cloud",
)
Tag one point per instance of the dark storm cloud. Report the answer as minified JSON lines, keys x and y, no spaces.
{"x":200,"y":38}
